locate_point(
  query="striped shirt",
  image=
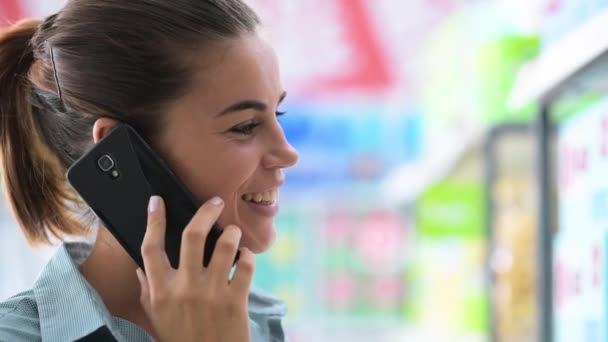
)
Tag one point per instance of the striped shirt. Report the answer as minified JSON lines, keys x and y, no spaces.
{"x":63,"y":306}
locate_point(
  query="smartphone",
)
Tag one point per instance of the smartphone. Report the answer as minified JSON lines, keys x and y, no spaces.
{"x":116,"y":179}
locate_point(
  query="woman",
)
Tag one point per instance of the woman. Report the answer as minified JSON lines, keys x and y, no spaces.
{"x":203,"y":86}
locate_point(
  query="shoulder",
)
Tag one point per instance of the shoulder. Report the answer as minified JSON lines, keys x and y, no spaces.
{"x":266,"y":312}
{"x":19,"y":318}
{"x":263,"y":303}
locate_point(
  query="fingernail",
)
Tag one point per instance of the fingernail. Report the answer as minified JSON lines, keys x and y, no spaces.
{"x":154,"y":204}
{"x":140,"y":273}
{"x":216,"y":201}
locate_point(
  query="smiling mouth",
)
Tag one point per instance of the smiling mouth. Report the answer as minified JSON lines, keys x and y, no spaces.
{"x":269,"y":197}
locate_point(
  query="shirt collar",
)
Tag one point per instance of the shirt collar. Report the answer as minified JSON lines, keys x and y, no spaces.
{"x":264,"y":304}
{"x":65,"y":306}
{"x":68,"y":307}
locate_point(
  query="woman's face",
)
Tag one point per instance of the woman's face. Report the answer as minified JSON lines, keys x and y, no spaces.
{"x":223,"y":137}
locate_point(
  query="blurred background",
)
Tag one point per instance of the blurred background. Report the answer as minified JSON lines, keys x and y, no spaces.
{"x":452,"y":182}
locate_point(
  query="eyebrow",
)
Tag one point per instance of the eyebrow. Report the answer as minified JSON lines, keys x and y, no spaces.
{"x":249,"y":104}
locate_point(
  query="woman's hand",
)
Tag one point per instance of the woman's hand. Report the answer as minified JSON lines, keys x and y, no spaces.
{"x":195,"y":303}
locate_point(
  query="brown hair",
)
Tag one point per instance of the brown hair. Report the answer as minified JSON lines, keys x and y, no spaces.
{"x":113,"y":58}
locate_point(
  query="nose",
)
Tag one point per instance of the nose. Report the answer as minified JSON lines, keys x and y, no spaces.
{"x":282,"y":154}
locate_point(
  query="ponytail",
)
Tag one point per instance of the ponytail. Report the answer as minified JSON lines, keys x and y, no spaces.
{"x":32,"y":175}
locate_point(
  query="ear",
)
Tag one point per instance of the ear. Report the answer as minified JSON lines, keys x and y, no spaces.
{"x":102,"y":127}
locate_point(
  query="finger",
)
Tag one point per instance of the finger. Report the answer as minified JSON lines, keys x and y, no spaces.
{"x":245,"y":267}
{"x":144,"y":297}
{"x":223,"y":255}
{"x":195,"y":235}
{"x":153,"y":247}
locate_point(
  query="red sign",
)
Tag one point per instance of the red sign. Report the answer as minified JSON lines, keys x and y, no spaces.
{"x":328,"y":47}
{"x":10,"y":11}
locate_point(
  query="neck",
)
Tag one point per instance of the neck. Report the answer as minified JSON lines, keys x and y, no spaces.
{"x":111,"y":271}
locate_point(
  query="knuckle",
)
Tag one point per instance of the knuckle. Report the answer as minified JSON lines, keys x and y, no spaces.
{"x":247,"y":266}
{"x":235,"y":307}
{"x":207,"y":296}
{"x":187,"y":296}
{"x":227,"y":245}
{"x":248,"y":254}
{"x":194,"y":235}
{"x":211,"y":299}
{"x":148,"y":248}
{"x":158,"y":300}
{"x":246,"y":262}
{"x":154,"y":220}
{"x":233,"y":230}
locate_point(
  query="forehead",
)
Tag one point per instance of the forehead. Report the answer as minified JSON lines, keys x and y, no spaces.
{"x":242,"y":67}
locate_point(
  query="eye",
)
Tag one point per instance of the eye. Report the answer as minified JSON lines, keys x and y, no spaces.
{"x":279,"y":114}
{"x":245,"y":128}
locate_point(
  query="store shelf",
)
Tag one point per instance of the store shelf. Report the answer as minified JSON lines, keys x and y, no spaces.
{"x":561,"y":61}
{"x":407,"y":182}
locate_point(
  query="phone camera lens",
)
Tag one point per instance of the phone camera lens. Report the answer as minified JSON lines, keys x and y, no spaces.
{"x":106,"y":163}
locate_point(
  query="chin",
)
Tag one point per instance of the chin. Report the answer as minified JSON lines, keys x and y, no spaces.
{"x":261,"y":239}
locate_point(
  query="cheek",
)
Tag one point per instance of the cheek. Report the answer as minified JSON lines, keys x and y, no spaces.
{"x":230,"y":181}
{"x":221,"y":174}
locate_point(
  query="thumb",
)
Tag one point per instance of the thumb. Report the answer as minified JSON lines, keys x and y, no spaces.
{"x":144,"y":297}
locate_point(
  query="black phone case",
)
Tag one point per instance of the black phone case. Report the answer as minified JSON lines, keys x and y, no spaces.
{"x":122,"y":203}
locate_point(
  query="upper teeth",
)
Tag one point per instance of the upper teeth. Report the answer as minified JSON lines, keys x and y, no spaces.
{"x":267,"y":196}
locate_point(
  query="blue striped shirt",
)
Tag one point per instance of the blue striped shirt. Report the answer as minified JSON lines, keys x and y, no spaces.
{"x":63,"y":306}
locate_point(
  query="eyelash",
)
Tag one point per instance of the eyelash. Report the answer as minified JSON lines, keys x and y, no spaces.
{"x":248,"y":128}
